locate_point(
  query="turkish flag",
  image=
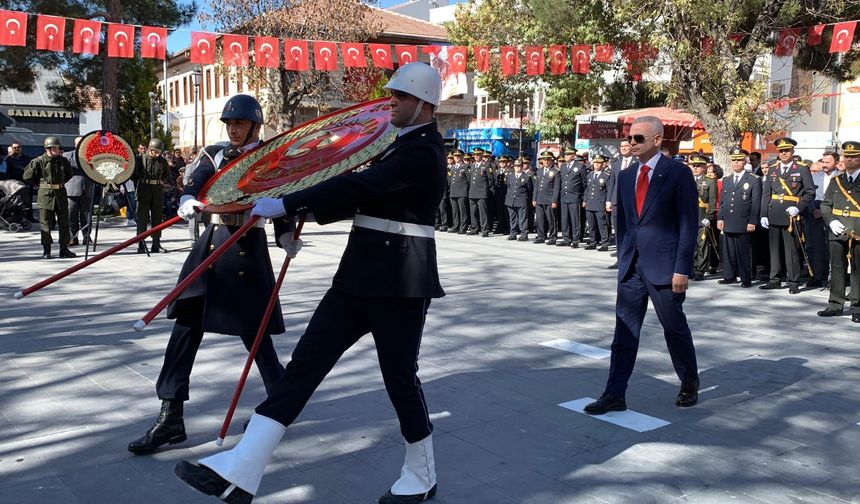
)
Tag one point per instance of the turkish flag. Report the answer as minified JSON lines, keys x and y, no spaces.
{"x":406,"y":54}
{"x":534,"y":60}
{"x":50,"y":33}
{"x":13,"y":28}
{"x":482,"y":58}
{"x":353,"y":55}
{"x":120,"y":41}
{"x":203,"y":48}
{"x":153,"y":42}
{"x":736,"y":38}
{"x":510,"y":60}
{"x":297,"y":57}
{"x":266,"y":53}
{"x":786,"y":41}
{"x":843,"y":35}
{"x":87,"y":37}
{"x":603,"y":53}
{"x":235,"y":50}
{"x":457,"y":56}
{"x":325,"y":56}
{"x":813,"y":36}
{"x":381,"y":55}
{"x":580,"y":59}
{"x":557,"y":59}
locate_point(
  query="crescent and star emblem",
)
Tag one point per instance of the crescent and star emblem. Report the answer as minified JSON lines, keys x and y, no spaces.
{"x":155,"y":36}
{"x":841,"y":34}
{"x":381,"y":53}
{"x":51,"y":35}
{"x":266,"y":47}
{"x":233,"y":46}
{"x":325,"y":52}
{"x":296,"y":52}
{"x":406,"y":57}
{"x":352,"y":52}
{"x":87,"y":33}
{"x":119,"y":34}
{"x":203,"y":42}
{"x":13,"y":22}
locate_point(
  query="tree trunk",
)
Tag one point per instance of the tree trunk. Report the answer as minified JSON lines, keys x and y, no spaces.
{"x":110,"y":101}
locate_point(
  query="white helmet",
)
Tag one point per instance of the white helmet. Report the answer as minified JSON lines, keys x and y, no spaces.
{"x":419,"y":80}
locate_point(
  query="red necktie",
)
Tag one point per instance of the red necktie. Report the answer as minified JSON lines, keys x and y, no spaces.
{"x":641,"y":189}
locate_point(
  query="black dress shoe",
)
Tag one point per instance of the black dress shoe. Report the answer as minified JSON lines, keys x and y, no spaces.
{"x":523,"y":238}
{"x":590,"y":247}
{"x":698,"y":277}
{"x":574,"y":245}
{"x":614,"y":254}
{"x":512,"y":237}
{"x":452,"y":230}
{"x":726,"y":281}
{"x":746,"y":285}
{"x":770,"y":286}
{"x":613,"y":266}
{"x":794,"y":289}
{"x":830,"y":312}
{"x":207,"y":481}
{"x":390,"y":498}
{"x":563,"y":243}
{"x":855,"y":317}
{"x":539,"y":240}
{"x":66,"y":253}
{"x":485,"y":234}
{"x":688,"y":395}
{"x":169,"y":427}
{"x":603,"y":248}
{"x":470,"y":232}
{"x":550,"y":242}
{"x":443,"y":229}
{"x":605,"y":404}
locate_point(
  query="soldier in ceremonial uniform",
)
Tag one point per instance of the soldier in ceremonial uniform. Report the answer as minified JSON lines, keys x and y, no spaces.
{"x":500,"y":194}
{"x":480,"y":188}
{"x":231,"y":297}
{"x":597,"y":204}
{"x":520,"y":188}
{"x":151,"y":175}
{"x":707,"y":188}
{"x":573,"y":178}
{"x":442,"y":221}
{"x":786,"y":190}
{"x":738,"y":215}
{"x":459,"y":192}
{"x":546,"y":193}
{"x":50,"y":172}
{"x":841,"y":209}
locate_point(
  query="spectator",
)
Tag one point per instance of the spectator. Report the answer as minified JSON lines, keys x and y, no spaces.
{"x":79,"y":190}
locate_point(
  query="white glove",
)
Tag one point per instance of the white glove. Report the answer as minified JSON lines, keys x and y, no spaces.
{"x":290,"y":245}
{"x":837,"y":227}
{"x":792,"y":211}
{"x":188,"y":207}
{"x":706,"y":222}
{"x":269,"y":208}
{"x":764,"y":223}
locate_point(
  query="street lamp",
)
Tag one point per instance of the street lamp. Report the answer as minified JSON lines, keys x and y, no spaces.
{"x":195,"y":78}
{"x":152,"y":97}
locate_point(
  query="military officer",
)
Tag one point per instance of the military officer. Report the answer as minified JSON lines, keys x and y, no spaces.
{"x":50,"y":172}
{"x":545,"y":199}
{"x":573,"y":178}
{"x":480,"y":188}
{"x":597,"y":204}
{"x":520,"y":187}
{"x":500,"y":194}
{"x":841,"y":209}
{"x":786,"y":191}
{"x":151,"y":175}
{"x":442,"y":217}
{"x":459,"y":192}
{"x":707,"y":188}
{"x":737,"y":217}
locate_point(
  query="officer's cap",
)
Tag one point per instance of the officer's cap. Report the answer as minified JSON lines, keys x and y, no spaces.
{"x":738,"y":154}
{"x":450,"y":156}
{"x":569,"y":150}
{"x":458,"y":152}
{"x":599,"y":158}
{"x":518,"y":162}
{"x":546,"y":155}
{"x":477,"y":151}
{"x":698,"y":159}
{"x":851,"y":149}
{"x":785,"y":143}
{"x":469,"y":157}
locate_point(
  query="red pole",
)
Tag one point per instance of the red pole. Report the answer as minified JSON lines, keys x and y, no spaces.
{"x":262,"y":330}
{"x":84,"y":264}
{"x":180,"y":288}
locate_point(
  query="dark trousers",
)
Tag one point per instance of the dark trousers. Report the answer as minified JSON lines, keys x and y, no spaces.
{"x":570,"y":223}
{"x":480,"y":220}
{"x":598,"y":231}
{"x":839,"y":272}
{"x":442,"y":216}
{"x":460,"y":214}
{"x":779,"y":235}
{"x":702,"y":260}
{"x":632,"y":302}
{"x":182,"y":348}
{"x":150,"y":208}
{"x":79,"y":215}
{"x":760,"y":251}
{"x":47,"y":216}
{"x":502,"y":224}
{"x":518,"y":219}
{"x":338,"y":322}
{"x":545,"y":222}
{"x":817,"y":246}
{"x":737,"y":256}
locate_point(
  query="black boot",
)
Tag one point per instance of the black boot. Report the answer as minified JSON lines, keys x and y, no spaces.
{"x":66,"y":253}
{"x":46,"y":251}
{"x":157,"y":248}
{"x":168,"y":428}
{"x":141,"y":249}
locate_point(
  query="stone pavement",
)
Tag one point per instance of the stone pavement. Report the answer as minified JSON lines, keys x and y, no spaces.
{"x":777,"y":421}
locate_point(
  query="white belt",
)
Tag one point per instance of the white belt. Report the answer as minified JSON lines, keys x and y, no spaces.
{"x":236,"y":220}
{"x":392,"y":226}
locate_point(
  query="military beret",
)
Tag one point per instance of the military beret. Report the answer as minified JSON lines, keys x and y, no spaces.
{"x":738,"y":154}
{"x":785,"y":143}
{"x":697,"y":159}
{"x":851,"y":149}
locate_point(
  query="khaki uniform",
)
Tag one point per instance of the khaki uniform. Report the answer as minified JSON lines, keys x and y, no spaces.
{"x":707,"y":188}
{"x":50,"y":174}
{"x":836,"y":206}
{"x":152,"y":173}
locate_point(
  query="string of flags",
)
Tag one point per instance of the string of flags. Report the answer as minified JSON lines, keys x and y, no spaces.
{"x":236,"y":49}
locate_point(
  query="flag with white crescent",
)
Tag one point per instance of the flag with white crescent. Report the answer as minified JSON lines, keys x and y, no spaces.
{"x":325,"y":56}
{"x":580,"y":59}
{"x":786,"y":42}
{"x":87,"y":37}
{"x":482,"y":58}
{"x":235,"y":50}
{"x":13,"y":28}
{"x":534,"y":60}
{"x":120,"y":41}
{"x":203,"y":48}
{"x":353,"y":55}
{"x":510,"y":56}
{"x":50,"y":33}
{"x":813,"y":36}
{"x":381,"y":55}
{"x":450,"y":62}
{"x":267,"y":52}
{"x":603,"y":53}
{"x":843,"y":35}
{"x":153,"y":42}
{"x":557,"y":59}
{"x":406,"y":54}
{"x":296,"y":56}
{"x":457,"y":56}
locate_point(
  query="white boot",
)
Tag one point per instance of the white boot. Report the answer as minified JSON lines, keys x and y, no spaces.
{"x":243,"y":466}
{"x":418,"y":474}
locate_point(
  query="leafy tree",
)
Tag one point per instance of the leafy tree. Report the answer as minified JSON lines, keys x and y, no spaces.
{"x":137,"y":78}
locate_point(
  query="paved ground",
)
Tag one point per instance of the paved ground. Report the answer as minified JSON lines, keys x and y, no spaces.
{"x":777,"y":422}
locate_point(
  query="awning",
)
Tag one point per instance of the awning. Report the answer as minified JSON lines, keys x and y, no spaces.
{"x":668,"y":116}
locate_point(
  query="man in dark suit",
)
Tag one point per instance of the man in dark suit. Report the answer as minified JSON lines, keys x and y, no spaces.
{"x":520,"y":187}
{"x":737,"y":217}
{"x":79,"y":190}
{"x":657,"y":225}
{"x":384,"y":284}
{"x":459,"y":192}
{"x":545,"y":200}
{"x":572,"y":174}
{"x":622,"y":162}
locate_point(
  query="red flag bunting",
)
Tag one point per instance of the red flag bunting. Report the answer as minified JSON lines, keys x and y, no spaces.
{"x":203,"y":48}
{"x":87,"y":37}
{"x":353,"y":55}
{"x":153,"y":42}
{"x":557,"y":59}
{"x":786,"y":41}
{"x":266,"y":53}
{"x":510,"y":60}
{"x":50,"y":33}
{"x":381,"y":55}
{"x":406,"y":54}
{"x":431,"y":49}
{"x":482,"y":58}
{"x":457,"y":56}
{"x":120,"y":41}
{"x":235,"y":50}
{"x":325,"y":56}
{"x":13,"y":28}
{"x":296,"y":56}
{"x":736,"y":38}
{"x":813,"y":36}
{"x":580,"y":59}
{"x":534,"y":60}
{"x":843,"y":35}
{"x":603,"y":53}
{"x":707,"y":46}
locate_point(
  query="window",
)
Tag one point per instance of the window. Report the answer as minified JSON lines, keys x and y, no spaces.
{"x":239,"y":81}
{"x":185,"y":90}
{"x":217,"y":85}
{"x":207,"y":83}
{"x":227,"y":84}
{"x":825,"y":105}
{"x":489,"y":108}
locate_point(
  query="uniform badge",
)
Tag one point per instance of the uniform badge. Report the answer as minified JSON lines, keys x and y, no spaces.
{"x":551,"y":174}
{"x":746,"y":185}
{"x":575,"y":169}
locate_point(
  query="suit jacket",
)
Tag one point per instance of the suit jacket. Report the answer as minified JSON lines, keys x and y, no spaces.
{"x":547,"y":188}
{"x":597,"y":191}
{"x":799,"y":182}
{"x":835,"y":206}
{"x":616,"y":167}
{"x":459,"y":181}
{"x":520,"y":189}
{"x":572,"y":182}
{"x":481,"y":180}
{"x":665,"y":234}
{"x":79,"y":184}
{"x":404,"y":184}
{"x":740,"y":204}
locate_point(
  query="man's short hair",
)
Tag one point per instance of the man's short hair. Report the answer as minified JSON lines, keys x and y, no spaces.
{"x":654,"y":122}
{"x":834,"y":155}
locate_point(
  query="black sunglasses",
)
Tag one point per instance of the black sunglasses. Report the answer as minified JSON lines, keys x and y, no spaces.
{"x":636,"y":138}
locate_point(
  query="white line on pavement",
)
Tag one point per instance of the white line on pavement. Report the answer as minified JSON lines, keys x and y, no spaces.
{"x":628,"y":419}
{"x":578,"y":348}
